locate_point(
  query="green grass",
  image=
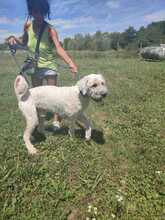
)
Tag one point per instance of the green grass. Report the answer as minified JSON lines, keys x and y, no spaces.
{"x":121,"y":171}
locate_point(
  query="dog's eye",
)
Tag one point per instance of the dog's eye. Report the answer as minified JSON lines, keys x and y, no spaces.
{"x":102,"y":83}
{"x":94,"y":85}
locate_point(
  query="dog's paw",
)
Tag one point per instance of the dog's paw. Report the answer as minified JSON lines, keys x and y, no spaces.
{"x":71,"y":137}
{"x":71,"y":133}
{"x":88,"y":141}
{"x":33,"y":151}
{"x":88,"y":138}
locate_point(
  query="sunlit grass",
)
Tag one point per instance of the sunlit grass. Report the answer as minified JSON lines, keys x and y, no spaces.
{"x":120,"y":174}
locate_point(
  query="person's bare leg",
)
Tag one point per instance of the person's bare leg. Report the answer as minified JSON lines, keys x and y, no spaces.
{"x":36,"y":81}
{"x":52,"y":81}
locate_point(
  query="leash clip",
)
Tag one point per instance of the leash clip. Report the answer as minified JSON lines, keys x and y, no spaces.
{"x":13,"y":49}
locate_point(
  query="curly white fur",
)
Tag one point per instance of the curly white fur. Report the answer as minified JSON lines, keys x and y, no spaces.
{"x":68,"y":102}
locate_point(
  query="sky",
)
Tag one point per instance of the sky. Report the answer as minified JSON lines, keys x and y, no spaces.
{"x":70,"y":17}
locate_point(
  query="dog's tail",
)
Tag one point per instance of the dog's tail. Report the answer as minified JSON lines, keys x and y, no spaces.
{"x":21,"y":87}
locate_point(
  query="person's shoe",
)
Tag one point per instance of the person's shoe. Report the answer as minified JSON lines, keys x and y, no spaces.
{"x":56,"y":126}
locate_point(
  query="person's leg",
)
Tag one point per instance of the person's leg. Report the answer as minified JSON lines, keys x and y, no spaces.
{"x":52,"y":81}
{"x":36,"y":81}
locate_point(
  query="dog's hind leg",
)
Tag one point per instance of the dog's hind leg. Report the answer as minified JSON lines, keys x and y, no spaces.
{"x":30,"y":113}
{"x":82,"y":119}
{"x":71,"y":130}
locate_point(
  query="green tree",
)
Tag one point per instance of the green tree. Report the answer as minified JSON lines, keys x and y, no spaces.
{"x":141,"y":38}
{"x":128,"y":37}
{"x":3,"y":46}
{"x":66,"y":43}
{"x":79,"y":42}
{"x":153,"y":34}
{"x":115,"y":40}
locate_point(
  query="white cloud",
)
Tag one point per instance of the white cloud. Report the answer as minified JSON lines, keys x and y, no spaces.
{"x":64,"y":7}
{"x":3,"y":31}
{"x":5,"y":20}
{"x":114,"y":4}
{"x":70,"y":27}
{"x":5,"y":34}
{"x":64,"y":24}
{"x":9,"y":21}
{"x":156,"y":16}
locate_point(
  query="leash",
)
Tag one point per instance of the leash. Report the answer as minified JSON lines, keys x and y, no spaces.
{"x":22,"y":68}
{"x":13,"y":49}
{"x":29,"y":63}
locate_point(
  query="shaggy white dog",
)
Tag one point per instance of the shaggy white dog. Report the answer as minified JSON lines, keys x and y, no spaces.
{"x":68,"y":102}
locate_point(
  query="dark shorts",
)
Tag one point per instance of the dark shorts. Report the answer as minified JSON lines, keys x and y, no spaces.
{"x":43,"y":72}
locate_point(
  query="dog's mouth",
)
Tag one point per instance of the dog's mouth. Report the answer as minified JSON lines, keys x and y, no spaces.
{"x":98,"y":99}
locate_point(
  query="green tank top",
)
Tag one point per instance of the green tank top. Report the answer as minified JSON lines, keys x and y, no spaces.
{"x":47,"y":58}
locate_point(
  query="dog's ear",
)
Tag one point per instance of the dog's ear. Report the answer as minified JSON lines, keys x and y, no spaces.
{"x":82,"y":84}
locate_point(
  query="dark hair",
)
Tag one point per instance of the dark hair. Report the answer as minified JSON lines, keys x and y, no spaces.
{"x":42,"y":6}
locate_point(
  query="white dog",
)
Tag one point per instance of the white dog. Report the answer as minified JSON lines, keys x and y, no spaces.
{"x":68,"y":102}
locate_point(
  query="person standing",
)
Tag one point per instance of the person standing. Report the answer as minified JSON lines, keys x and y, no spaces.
{"x":38,"y":11}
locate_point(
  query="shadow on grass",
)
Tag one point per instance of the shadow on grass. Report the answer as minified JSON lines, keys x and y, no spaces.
{"x":97,"y":136}
{"x":37,"y":137}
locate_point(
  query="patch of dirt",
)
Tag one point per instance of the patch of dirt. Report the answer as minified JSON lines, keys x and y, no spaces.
{"x":74,"y":215}
{"x":73,"y":172}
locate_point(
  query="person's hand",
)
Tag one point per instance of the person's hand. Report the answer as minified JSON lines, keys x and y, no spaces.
{"x":12,"y":43}
{"x":11,"y":40}
{"x":73,"y":69}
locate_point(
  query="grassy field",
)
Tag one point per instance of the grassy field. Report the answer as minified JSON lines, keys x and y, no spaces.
{"x":120,"y":174}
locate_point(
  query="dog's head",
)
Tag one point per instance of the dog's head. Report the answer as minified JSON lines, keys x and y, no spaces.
{"x":93,"y":86}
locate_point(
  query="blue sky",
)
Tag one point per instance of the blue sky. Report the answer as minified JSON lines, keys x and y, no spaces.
{"x":84,"y":16}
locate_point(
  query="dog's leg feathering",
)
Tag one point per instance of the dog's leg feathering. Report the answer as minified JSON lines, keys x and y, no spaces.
{"x":71,"y":128}
{"x":82,"y":118}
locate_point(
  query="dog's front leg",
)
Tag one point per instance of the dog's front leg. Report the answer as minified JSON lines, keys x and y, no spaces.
{"x":83,"y":119}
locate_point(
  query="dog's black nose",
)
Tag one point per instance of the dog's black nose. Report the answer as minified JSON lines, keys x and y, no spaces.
{"x":104,"y":95}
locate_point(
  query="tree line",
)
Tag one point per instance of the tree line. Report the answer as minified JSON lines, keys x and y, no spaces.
{"x":131,"y":39}
{"x":153,"y":34}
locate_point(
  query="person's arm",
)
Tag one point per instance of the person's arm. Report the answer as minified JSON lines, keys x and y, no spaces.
{"x":61,"y":52}
{"x":19,"y":40}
